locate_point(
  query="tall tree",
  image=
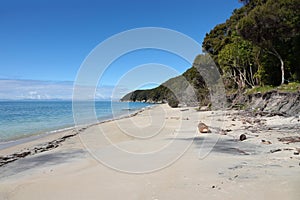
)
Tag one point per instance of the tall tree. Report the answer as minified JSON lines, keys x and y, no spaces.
{"x":237,"y":61}
{"x":271,"y":26}
{"x":216,"y":40}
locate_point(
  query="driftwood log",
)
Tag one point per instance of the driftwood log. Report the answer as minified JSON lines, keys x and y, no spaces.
{"x":203,"y":128}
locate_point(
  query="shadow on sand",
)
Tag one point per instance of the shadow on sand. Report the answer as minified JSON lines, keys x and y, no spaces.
{"x":224,"y":145}
{"x":39,"y":160}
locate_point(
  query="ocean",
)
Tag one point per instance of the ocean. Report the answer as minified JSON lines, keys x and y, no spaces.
{"x":21,"y":119}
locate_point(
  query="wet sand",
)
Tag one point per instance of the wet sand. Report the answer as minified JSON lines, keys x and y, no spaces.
{"x":159,"y":154}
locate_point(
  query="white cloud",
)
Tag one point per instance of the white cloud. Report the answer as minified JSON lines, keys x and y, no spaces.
{"x":33,"y":89}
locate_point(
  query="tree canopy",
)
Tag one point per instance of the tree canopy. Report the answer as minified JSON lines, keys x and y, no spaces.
{"x":273,"y":26}
{"x":259,"y":44}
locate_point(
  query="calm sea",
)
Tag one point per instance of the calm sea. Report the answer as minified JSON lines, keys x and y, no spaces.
{"x":19,"y":119}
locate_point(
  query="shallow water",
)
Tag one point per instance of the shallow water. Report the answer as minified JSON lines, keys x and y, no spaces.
{"x":19,"y":119}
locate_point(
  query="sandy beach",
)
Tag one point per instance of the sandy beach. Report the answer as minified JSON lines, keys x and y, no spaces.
{"x":159,"y":154}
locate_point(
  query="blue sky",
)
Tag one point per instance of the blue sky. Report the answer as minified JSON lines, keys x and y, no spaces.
{"x":47,"y":40}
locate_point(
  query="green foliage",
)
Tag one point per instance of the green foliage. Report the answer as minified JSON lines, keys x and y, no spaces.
{"x":215,"y":41}
{"x":290,"y":87}
{"x":249,"y":45}
{"x":261,"y":89}
{"x":274,"y":26}
{"x":237,"y":61}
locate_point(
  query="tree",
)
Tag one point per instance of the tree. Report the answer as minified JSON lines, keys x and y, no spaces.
{"x":271,"y":26}
{"x":235,"y":56}
{"x":216,"y":40}
{"x":238,"y":63}
{"x":245,"y":2}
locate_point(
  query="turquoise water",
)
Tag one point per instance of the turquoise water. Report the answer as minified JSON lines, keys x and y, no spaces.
{"x":19,"y":119}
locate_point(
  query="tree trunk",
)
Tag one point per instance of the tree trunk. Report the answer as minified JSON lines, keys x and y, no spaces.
{"x":251,"y":77}
{"x":282,"y":70}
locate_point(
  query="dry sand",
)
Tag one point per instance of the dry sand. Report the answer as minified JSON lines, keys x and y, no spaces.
{"x":108,"y":160}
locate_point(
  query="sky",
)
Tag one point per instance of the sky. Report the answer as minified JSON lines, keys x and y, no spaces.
{"x":43,"y":43}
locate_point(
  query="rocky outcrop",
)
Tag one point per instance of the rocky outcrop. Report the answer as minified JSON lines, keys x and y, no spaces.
{"x":282,"y":103}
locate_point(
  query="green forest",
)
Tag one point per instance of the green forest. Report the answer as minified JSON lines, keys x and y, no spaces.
{"x":258,"y":46}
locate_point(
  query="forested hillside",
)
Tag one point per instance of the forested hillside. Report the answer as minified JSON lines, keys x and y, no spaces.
{"x":258,"y":45}
{"x":188,"y":88}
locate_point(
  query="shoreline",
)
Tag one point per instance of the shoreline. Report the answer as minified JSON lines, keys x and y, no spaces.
{"x":36,"y":136}
{"x":27,"y":146}
{"x":31,"y":125}
{"x":265,"y":165}
{"x":31,"y":137}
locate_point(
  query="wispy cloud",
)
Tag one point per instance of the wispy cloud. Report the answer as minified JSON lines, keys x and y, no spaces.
{"x":47,"y":90}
